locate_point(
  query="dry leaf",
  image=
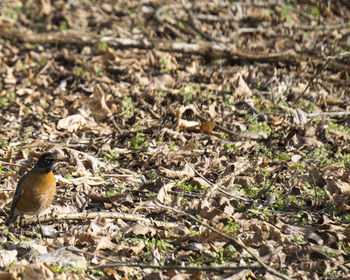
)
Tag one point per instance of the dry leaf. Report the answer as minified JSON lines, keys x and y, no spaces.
{"x":7,"y":257}
{"x":258,"y":14}
{"x":188,"y":125}
{"x":211,"y":110}
{"x":98,"y":106}
{"x":162,"y":194}
{"x":138,"y":229}
{"x":255,"y":135}
{"x":186,"y":172}
{"x":111,"y":272}
{"x":243,"y":274}
{"x":72,"y":123}
{"x":208,"y":127}
{"x":183,"y":276}
{"x":338,"y":187}
{"x":181,"y":123}
{"x":242,"y":90}
{"x":104,"y":242}
{"x":137,"y":249}
{"x":315,"y":177}
{"x":32,"y":271}
{"x":162,"y":82}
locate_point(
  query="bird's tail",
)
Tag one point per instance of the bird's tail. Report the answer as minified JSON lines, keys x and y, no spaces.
{"x":9,"y":218}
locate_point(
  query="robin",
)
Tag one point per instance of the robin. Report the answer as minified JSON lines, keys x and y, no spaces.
{"x":35,"y":190}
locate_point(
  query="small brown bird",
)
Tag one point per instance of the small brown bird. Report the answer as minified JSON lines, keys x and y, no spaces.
{"x":35,"y":190}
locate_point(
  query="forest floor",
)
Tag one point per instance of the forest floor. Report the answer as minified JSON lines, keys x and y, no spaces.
{"x":203,"y":139}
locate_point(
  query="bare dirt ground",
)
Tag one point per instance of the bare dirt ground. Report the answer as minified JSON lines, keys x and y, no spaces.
{"x":204,"y":139}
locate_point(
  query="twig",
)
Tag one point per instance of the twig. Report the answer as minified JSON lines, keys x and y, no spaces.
{"x":195,"y":26}
{"x":165,"y":267}
{"x":232,"y":195}
{"x":339,"y":55}
{"x":329,"y":114}
{"x":175,"y":267}
{"x":117,"y":175}
{"x":150,"y":109}
{"x":214,"y":186}
{"x":213,"y":49}
{"x":93,"y":215}
{"x":158,"y":13}
{"x":9,"y":163}
{"x":306,"y":15}
{"x":263,"y":191}
{"x":329,"y":59}
{"x":195,"y":171}
{"x":235,"y":241}
{"x":312,"y":79}
{"x":323,"y":27}
{"x":214,"y":18}
{"x":184,"y":194}
{"x":250,"y":106}
{"x":261,"y":4}
{"x":273,"y":253}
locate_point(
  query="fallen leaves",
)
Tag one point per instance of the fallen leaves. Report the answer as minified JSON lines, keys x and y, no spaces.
{"x":162,"y":82}
{"x":72,"y":123}
{"x":187,"y":171}
{"x":242,"y":90}
{"x":247,"y":132}
{"x":7,"y":257}
{"x":208,"y":127}
{"x":98,"y":105}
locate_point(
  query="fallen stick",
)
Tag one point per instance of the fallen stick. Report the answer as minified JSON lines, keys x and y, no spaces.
{"x":93,"y":215}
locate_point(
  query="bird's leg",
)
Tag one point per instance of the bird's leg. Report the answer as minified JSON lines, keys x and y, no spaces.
{"x":21,"y":224}
{"x":41,"y":229}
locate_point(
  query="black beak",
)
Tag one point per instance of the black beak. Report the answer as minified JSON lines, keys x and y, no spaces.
{"x":59,"y":159}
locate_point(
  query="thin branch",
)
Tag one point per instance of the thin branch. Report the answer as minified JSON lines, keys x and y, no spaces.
{"x":174,"y":267}
{"x":215,"y":186}
{"x":212,"y":49}
{"x":165,"y":267}
{"x":329,"y":59}
{"x":158,"y":14}
{"x":195,"y":171}
{"x":312,"y":79}
{"x":93,"y":215}
{"x":261,"y":4}
{"x":184,"y":194}
{"x":232,"y":195}
{"x":263,"y":191}
{"x":9,"y":163}
{"x":327,"y":114}
{"x":323,"y":27}
{"x":195,"y":25}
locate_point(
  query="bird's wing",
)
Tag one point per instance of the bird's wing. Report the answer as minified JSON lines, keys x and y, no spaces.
{"x":17,"y":196}
{"x":19,"y":192}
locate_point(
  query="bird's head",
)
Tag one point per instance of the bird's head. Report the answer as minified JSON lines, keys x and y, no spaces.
{"x":47,"y":162}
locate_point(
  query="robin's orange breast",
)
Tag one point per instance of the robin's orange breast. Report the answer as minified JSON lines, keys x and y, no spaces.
{"x":38,"y":192}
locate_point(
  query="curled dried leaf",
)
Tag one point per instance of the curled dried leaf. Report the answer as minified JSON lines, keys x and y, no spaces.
{"x":208,"y":127}
{"x":72,"y":123}
{"x":98,"y":105}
